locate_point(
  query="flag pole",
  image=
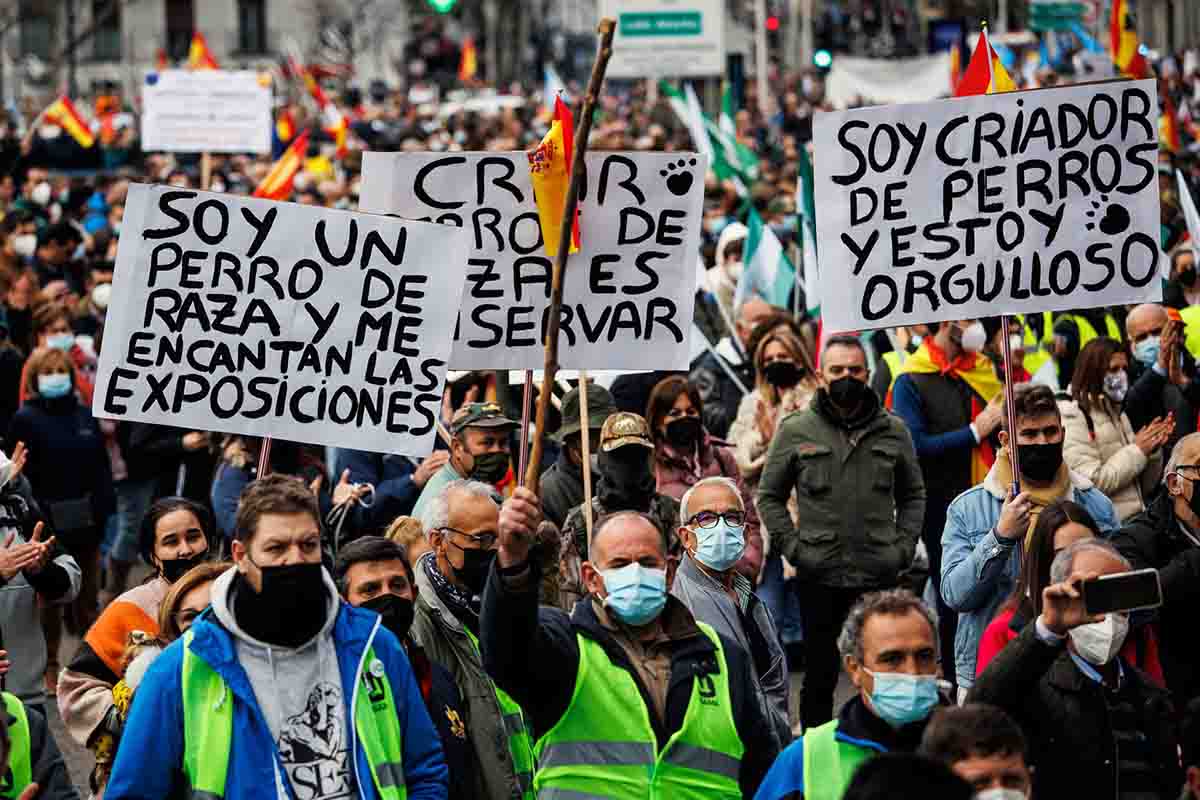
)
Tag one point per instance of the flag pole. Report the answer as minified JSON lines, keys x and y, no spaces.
{"x":586,"y":441}
{"x":526,"y":409}
{"x":1009,"y":410}
{"x":595,"y":83}
{"x":205,"y":170}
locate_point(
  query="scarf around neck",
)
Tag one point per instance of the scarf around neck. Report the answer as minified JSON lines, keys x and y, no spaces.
{"x":461,"y":605}
{"x":1040,"y":496}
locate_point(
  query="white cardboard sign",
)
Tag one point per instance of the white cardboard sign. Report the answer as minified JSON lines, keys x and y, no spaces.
{"x":628,"y":294}
{"x":275,"y":319}
{"x":666,"y":38}
{"x":977,"y":206}
{"x":218,"y":111}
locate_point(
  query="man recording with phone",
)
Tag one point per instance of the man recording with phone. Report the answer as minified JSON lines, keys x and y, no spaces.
{"x":1166,"y":536}
{"x":1097,"y":726}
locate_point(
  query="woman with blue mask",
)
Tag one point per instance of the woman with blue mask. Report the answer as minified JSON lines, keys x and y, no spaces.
{"x":70,"y":473}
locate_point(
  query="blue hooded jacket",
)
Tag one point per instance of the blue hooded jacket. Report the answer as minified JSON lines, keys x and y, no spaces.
{"x":149,"y":762}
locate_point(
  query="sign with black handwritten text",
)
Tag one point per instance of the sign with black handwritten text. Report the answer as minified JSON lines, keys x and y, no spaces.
{"x":628,"y":292}
{"x":977,"y":206}
{"x":249,"y":316}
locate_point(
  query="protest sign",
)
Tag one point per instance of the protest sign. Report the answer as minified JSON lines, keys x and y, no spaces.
{"x":277,"y":319}
{"x":666,"y":38}
{"x":977,"y":206}
{"x":628,"y":292}
{"x":215,"y":111}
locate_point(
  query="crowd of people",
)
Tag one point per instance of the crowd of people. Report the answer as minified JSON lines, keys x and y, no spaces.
{"x":806,"y":567}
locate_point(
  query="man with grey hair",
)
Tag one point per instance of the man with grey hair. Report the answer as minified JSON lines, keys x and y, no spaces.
{"x":1166,"y":536}
{"x":713,"y":533}
{"x":1094,"y":721}
{"x":889,"y":648}
{"x":460,"y":522}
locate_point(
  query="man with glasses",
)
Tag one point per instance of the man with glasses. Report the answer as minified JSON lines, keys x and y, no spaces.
{"x":713,"y":533}
{"x":860,"y":502}
{"x":1166,"y":536}
{"x":461,"y":523}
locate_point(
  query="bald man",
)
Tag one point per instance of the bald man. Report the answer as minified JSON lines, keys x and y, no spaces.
{"x":1155,"y":342}
{"x":609,"y":686}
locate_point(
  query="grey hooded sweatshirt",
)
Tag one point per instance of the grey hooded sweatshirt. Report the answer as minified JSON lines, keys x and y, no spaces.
{"x":300,"y":694}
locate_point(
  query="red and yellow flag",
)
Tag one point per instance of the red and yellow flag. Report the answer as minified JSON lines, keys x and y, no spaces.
{"x":1168,"y":126}
{"x":468,"y":64}
{"x":1124,"y":42}
{"x":62,"y":112}
{"x":550,"y":174}
{"x":278,"y":183}
{"x":199,"y":56}
{"x":285,"y":125}
{"x":160,"y":60}
{"x":955,"y":67}
{"x":985,"y":73}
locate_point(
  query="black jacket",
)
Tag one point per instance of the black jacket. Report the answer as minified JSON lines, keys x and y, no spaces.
{"x":1154,"y":539}
{"x":719,"y":395}
{"x":444,"y":703}
{"x":49,"y":769}
{"x":1078,"y":730}
{"x":1151,"y":395}
{"x":150,"y":450}
{"x":562,"y":489}
{"x":540,"y":672}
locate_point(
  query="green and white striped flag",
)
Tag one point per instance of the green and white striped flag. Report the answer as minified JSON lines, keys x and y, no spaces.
{"x":731,"y":160}
{"x":767,"y":272}
{"x":806,"y":219}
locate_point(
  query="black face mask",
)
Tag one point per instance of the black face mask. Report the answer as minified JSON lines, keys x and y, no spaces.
{"x":397,"y":612}
{"x":783,"y":374}
{"x":847,"y":393}
{"x":476,"y":565}
{"x":1188,"y":276}
{"x":1040,"y":462}
{"x":683,"y":433}
{"x":489,"y":467}
{"x":626,"y":478}
{"x":174,"y":569}
{"x":290,"y":609}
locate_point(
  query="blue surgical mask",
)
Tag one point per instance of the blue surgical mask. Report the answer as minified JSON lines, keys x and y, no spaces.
{"x":61,"y":341}
{"x":1146,"y":351}
{"x":720,"y":546}
{"x":900,"y":699}
{"x":636,"y":594}
{"x":55,"y":385}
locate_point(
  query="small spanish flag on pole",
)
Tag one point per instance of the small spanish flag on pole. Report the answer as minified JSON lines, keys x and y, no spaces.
{"x":985,"y":73}
{"x":550,"y":174}
{"x":199,"y":56}
{"x":1123,"y":42}
{"x":468,"y":64}
{"x":1168,"y":126}
{"x":278,"y":183}
{"x":62,"y":112}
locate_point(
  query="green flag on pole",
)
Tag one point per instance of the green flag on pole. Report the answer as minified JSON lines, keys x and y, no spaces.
{"x":767,"y":272}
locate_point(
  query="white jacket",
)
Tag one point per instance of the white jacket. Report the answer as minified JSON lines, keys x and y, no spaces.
{"x":1106,"y":454}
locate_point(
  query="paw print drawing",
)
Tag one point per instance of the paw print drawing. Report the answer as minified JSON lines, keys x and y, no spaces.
{"x":679,"y":180}
{"x":1115,"y":220}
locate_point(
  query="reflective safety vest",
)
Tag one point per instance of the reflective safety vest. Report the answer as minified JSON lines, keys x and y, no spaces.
{"x":1036,"y":355}
{"x":208,"y":727}
{"x":520,"y":743}
{"x":829,"y":764}
{"x":1191,"y":329}
{"x":20,"y":760}
{"x":604,"y":745}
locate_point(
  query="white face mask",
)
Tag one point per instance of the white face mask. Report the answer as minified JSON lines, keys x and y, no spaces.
{"x":734,"y":270}
{"x":1099,"y":642}
{"x":41,"y":194}
{"x":25,"y":244}
{"x":1000,"y":793}
{"x":1016,"y":343}
{"x":974,"y":337}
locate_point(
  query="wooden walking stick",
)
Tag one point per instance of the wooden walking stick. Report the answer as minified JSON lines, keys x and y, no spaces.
{"x":595,"y":83}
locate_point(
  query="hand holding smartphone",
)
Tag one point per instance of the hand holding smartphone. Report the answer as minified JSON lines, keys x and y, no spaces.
{"x":1124,"y":591}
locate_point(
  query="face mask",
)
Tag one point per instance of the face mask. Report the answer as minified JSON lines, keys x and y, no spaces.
{"x":174,"y":568}
{"x":55,"y":385}
{"x":101,"y":295}
{"x":974,"y":337}
{"x":116,"y":229}
{"x":900,"y":699}
{"x":916,"y":340}
{"x":61,"y":341}
{"x":1016,"y":343}
{"x":1187,"y":276}
{"x":734,"y":270}
{"x":489,"y":467}
{"x":291,"y":607}
{"x":397,"y":612}
{"x":1040,"y":462}
{"x":1194,"y":500}
{"x":1000,"y":793}
{"x":628,"y":475}
{"x":25,"y":244}
{"x":1099,"y":642}
{"x":782,"y":374}
{"x":847,"y":393}
{"x":216,"y":186}
{"x":476,"y":566}
{"x":1116,"y":384}
{"x":721,"y":546}
{"x":684,"y":432}
{"x":636,"y":594}
{"x":41,"y":194}
{"x":1146,"y":351}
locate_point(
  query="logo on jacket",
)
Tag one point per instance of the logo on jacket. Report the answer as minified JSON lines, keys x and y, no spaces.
{"x":707,"y":690}
{"x":456,"y":724}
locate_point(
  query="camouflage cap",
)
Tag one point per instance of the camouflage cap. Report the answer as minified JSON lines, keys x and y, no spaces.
{"x":480,"y":415}
{"x":624,"y":428}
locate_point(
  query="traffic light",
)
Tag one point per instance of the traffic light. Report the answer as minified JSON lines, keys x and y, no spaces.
{"x":442,"y":6}
{"x":822,"y":59}
{"x":772,"y":23}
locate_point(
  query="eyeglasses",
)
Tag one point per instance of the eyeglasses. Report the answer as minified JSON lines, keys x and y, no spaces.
{"x":484,"y":540}
{"x":709,"y":519}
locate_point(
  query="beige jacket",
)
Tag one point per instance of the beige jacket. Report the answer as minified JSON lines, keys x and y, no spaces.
{"x":1105,"y":453}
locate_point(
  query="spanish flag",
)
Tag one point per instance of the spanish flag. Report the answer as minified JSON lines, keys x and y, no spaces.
{"x":468,"y":63}
{"x":160,"y":60}
{"x":285,"y":125}
{"x":278,"y":183}
{"x":1168,"y":126}
{"x":955,"y":66}
{"x":1124,"y":42}
{"x":550,"y":174}
{"x":199,"y":56}
{"x":62,"y":112}
{"x":985,"y":74}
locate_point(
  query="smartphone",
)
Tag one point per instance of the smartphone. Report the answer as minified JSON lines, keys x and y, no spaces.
{"x":1124,"y":591}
